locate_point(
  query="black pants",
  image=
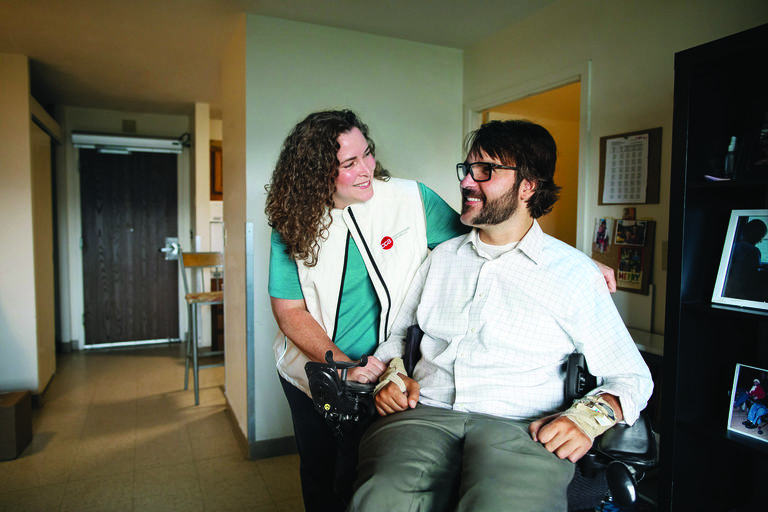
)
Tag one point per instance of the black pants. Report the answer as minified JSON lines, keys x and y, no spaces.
{"x":328,"y":464}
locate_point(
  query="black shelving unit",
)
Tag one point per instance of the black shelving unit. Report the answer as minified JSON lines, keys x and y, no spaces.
{"x":721,"y":91}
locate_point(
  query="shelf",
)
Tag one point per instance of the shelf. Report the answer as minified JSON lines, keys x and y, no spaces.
{"x":719,"y":93}
{"x":648,"y":342}
{"x":719,"y":433}
{"x":750,"y":181}
{"x":734,"y":310}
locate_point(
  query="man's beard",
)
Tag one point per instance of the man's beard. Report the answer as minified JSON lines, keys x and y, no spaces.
{"x":493,"y":212}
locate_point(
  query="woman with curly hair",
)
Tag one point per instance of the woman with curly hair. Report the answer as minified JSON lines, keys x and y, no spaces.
{"x":346,"y":242}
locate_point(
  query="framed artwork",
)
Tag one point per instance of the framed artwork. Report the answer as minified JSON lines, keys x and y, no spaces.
{"x":748,"y":413}
{"x":217,"y":188}
{"x":742,"y":277}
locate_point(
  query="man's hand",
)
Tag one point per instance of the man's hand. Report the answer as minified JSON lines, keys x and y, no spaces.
{"x":608,"y":275}
{"x":368,"y":373}
{"x":391,"y":400}
{"x":560,"y":436}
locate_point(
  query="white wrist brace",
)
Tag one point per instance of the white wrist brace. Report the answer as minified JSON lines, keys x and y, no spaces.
{"x":592,"y":414}
{"x":391,"y":375}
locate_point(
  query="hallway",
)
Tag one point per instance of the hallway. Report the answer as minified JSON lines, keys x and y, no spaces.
{"x":117,"y":432}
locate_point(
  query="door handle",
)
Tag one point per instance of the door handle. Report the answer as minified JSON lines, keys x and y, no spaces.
{"x":171,"y":249}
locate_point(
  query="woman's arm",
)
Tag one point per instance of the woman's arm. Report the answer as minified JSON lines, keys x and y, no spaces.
{"x":298,"y":325}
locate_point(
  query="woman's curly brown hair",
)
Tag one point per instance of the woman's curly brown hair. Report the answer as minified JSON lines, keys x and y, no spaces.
{"x":300,"y":194}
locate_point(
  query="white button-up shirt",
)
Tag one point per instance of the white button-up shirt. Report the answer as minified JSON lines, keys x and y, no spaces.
{"x":497,"y":331}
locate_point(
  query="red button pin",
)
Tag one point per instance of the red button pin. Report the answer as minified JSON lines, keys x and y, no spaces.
{"x":387,"y":243}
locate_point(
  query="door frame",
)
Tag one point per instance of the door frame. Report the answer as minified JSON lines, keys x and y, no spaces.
{"x":76,"y":298}
{"x":582,"y":73}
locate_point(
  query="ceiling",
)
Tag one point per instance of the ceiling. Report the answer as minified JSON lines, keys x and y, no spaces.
{"x":163,"y":56}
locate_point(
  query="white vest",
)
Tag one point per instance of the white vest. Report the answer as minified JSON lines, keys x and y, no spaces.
{"x":390,"y":231}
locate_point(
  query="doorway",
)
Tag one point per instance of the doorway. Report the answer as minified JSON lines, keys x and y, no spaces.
{"x":558,"y":110}
{"x":128,"y":208}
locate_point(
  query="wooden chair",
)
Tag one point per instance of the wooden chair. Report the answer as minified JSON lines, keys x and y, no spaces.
{"x":192,"y":272}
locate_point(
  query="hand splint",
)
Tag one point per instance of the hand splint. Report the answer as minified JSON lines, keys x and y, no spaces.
{"x":592,"y":414}
{"x":391,"y":375}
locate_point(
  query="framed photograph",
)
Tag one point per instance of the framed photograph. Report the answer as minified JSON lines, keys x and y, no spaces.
{"x":748,"y":414}
{"x":742,"y":278}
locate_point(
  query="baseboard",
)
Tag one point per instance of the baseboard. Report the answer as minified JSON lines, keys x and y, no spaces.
{"x":259,"y":449}
{"x":38,"y":398}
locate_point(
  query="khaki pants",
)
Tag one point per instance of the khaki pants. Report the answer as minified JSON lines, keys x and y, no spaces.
{"x":430,"y":459}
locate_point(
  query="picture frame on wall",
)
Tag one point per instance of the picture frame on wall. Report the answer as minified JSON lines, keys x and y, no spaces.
{"x":748,"y":413}
{"x":742,"y":277}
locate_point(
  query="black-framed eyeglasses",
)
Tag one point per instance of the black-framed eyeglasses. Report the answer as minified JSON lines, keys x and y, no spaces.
{"x":480,"y":171}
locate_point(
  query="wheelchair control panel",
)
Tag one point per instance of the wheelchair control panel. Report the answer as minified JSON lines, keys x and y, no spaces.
{"x":337,"y":399}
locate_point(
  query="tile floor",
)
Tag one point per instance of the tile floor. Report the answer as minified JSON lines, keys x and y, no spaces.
{"x":117,"y":432}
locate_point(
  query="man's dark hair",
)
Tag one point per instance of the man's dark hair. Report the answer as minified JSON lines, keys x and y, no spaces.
{"x":527,"y":146}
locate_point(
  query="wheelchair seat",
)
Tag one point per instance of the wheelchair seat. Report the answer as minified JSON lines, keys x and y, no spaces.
{"x":617,"y":460}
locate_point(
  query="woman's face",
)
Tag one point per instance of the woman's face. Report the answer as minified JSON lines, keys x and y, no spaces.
{"x":356,"y":166}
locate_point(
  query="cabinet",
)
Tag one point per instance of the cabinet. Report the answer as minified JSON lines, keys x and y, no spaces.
{"x":721,"y":91}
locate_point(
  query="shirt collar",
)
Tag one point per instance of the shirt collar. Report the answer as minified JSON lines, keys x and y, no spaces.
{"x":531,"y":244}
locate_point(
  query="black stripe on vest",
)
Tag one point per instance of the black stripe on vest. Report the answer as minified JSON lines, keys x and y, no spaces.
{"x":376,"y":268}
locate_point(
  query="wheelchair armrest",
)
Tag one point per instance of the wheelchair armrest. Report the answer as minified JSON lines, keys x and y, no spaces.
{"x":634,"y":445}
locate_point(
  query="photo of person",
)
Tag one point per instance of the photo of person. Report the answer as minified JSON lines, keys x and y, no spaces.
{"x":748,"y":413}
{"x":602,"y":236}
{"x":742,"y":278}
{"x":747,"y":273}
{"x":630,"y":232}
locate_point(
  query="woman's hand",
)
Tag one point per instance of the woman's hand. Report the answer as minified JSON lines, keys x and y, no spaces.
{"x":608,"y":274}
{"x":369,"y":373}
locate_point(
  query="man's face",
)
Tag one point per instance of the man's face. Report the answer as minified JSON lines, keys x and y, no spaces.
{"x":489,"y":202}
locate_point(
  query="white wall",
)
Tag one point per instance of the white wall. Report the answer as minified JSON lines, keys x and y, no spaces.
{"x":68,"y":206}
{"x":18,"y":320}
{"x":631,"y":46}
{"x":408,"y":93}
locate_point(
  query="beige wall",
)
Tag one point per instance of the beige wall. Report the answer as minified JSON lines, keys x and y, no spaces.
{"x":27,"y":342}
{"x":624,"y":54}
{"x":42,"y":215}
{"x":233,"y":159}
{"x":18,"y":326}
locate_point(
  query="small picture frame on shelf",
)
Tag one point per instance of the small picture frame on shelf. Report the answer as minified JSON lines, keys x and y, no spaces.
{"x":742,"y":278}
{"x":748,"y":414}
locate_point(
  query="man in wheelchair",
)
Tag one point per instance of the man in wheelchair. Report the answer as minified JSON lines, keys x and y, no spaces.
{"x":501,"y":310}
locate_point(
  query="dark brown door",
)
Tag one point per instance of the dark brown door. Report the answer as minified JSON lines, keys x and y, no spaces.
{"x":128,"y":207}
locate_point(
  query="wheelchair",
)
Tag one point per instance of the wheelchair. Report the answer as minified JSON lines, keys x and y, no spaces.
{"x":611,"y":470}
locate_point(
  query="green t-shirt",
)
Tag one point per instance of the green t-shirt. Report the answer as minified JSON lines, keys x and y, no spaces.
{"x":359,"y":308}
